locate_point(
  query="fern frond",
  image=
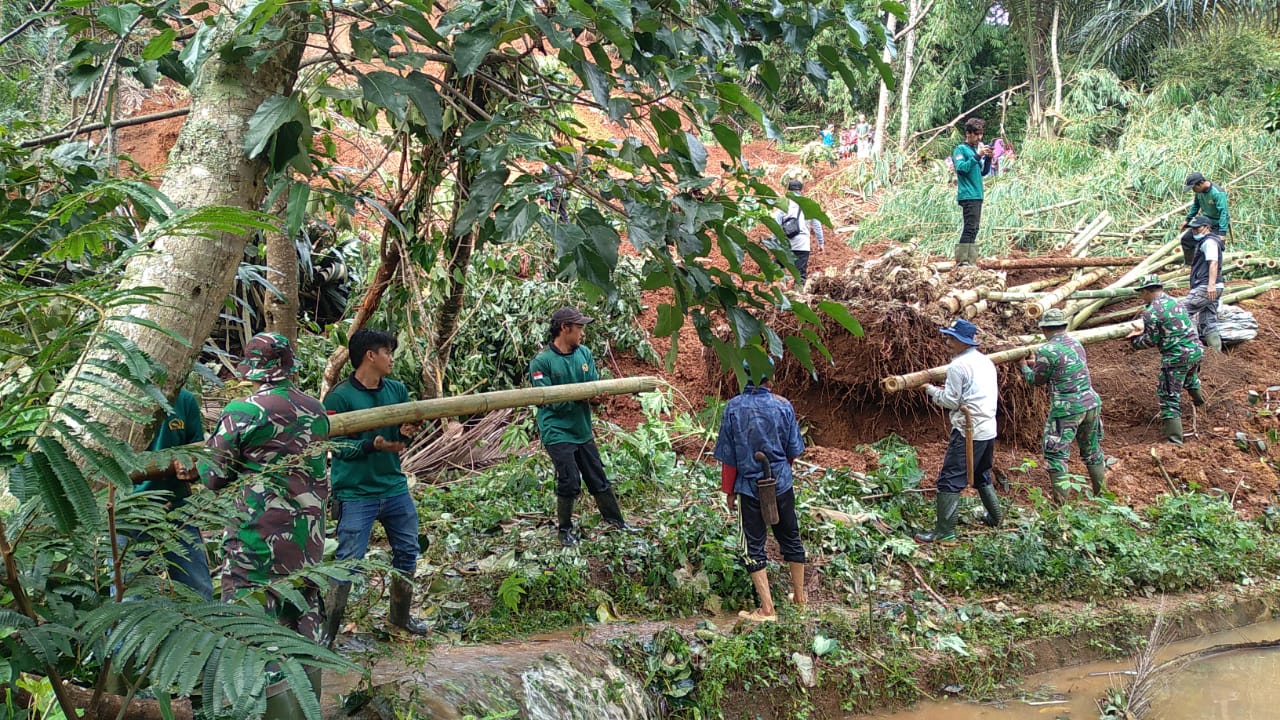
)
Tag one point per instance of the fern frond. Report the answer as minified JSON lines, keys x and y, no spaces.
{"x":71,"y":481}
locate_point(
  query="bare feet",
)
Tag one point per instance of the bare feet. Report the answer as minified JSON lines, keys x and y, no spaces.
{"x":757,"y":616}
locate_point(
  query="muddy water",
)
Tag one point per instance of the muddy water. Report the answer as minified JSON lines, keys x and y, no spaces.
{"x":1234,"y":686}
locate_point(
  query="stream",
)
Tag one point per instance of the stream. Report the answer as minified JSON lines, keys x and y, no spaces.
{"x":1233,"y":686}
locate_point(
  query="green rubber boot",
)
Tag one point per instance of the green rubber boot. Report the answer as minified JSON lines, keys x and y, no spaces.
{"x":1172,"y":430}
{"x":944,"y":529}
{"x":994,"y":516}
{"x":1098,"y":478}
{"x":1213,"y":341}
{"x":1197,"y":396}
{"x":1057,"y":485}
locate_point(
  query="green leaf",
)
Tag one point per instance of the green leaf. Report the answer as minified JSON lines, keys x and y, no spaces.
{"x":422,"y":92}
{"x":670,"y":319}
{"x":296,"y":210}
{"x":728,"y":138}
{"x":119,"y":18}
{"x":160,"y":45}
{"x":470,"y":48}
{"x":274,"y":112}
{"x":385,"y":90}
{"x":768,"y":73}
{"x":840,"y":314}
{"x":800,"y":349}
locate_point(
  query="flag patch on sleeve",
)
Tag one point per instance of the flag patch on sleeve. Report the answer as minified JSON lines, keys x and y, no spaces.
{"x":537,"y":374}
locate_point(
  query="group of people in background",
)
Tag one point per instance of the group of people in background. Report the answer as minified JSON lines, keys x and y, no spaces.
{"x":855,"y":139}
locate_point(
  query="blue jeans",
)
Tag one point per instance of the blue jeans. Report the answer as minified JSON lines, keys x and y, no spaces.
{"x":188,"y":564}
{"x":399,"y":519}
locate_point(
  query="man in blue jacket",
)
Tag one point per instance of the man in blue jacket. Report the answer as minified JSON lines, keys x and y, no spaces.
{"x":759,"y":421}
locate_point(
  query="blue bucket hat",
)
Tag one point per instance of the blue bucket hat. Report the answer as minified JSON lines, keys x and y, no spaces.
{"x":961,"y":330}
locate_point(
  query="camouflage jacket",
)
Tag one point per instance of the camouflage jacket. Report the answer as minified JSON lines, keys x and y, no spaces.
{"x":267,"y":441}
{"x":1060,"y":364}
{"x":1167,"y":327}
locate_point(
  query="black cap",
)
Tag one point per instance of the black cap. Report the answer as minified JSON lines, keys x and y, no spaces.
{"x":795,"y":185}
{"x":1200,"y":221}
{"x":571,"y":316}
{"x":1194,"y":179}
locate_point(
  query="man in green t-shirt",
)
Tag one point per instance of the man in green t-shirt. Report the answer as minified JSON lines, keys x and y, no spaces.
{"x":188,"y":563}
{"x":972,"y":160}
{"x":1210,"y":202}
{"x":368,"y":484}
{"x":565,"y":427}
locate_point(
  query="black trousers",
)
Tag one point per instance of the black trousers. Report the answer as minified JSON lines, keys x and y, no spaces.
{"x":802,"y":263}
{"x":971,"y":214}
{"x":575,"y":464}
{"x":752,"y":531}
{"x":953,"y":477}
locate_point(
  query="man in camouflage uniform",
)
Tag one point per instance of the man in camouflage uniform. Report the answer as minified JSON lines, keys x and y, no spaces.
{"x":1075,"y":410}
{"x":262,"y":444}
{"x":1165,"y":325}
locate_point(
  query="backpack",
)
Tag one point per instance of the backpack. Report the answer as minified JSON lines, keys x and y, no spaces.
{"x":790,"y":226}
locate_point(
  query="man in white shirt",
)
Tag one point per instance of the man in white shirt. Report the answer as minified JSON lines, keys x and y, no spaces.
{"x":799,"y":230}
{"x":970,"y":394}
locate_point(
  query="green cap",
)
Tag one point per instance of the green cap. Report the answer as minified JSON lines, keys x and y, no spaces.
{"x":1149,"y":281}
{"x":267,"y":358}
{"x":1053,"y":317}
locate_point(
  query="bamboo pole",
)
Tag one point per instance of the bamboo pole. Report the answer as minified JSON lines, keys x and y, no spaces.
{"x":898,"y":383}
{"x":1091,"y":226}
{"x":970,"y":312}
{"x":1263,"y":285}
{"x":1007,"y":297}
{"x":359,"y":421}
{"x":1036,"y":308}
{"x":1039,"y":284}
{"x":1046,"y":208}
{"x":1063,"y":231}
{"x":1142,"y":268}
{"x":955,"y":301}
{"x":1159,"y":219}
{"x":1046,"y":261}
{"x":1080,"y":245}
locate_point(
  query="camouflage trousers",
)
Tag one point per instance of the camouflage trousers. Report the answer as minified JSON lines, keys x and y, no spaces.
{"x":1173,"y":378}
{"x":1084,"y":429}
{"x":267,"y":550}
{"x":1202,"y":310}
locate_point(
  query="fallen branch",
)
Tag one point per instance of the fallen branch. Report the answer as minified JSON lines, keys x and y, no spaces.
{"x":1046,"y":208}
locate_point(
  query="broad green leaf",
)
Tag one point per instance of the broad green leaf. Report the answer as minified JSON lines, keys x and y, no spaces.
{"x":424,"y":96}
{"x":670,"y":319}
{"x":299,"y":192}
{"x":728,"y":138}
{"x":469,"y":49}
{"x":271,"y":115}
{"x":838,"y":312}
{"x":800,"y":349}
{"x":768,"y":73}
{"x":160,"y":45}
{"x":119,"y":18}
{"x":386,"y":90}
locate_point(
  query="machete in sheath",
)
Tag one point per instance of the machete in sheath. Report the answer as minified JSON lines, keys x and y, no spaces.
{"x":767,"y":492}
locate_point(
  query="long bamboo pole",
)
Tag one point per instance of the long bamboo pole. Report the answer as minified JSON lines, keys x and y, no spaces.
{"x":1125,"y":280}
{"x":1264,"y":285}
{"x":1035,"y":285}
{"x":1036,"y":308}
{"x":1046,"y":208}
{"x":1063,"y":231}
{"x":1089,"y":227}
{"x":358,"y":421}
{"x":898,"y":383}
{"x":1044,"y":261}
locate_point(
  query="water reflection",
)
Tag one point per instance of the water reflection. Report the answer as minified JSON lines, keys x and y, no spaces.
{"x":1233,"y":686}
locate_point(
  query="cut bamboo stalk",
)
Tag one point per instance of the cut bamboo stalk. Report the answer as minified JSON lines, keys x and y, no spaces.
{"x":956,"y":301}
{"x":1007,"y":297}
{"x":1036,"y":308}
{"x":970,"y":312}
{"x":1263,"y":285}
{"x":1115,"y":315}
{"x":358,"y":421}
{"x":898,"y":383}
{"x":1035,"y":285}
{"x":1159,"y":219}
{"x":1125,"y":280}
{"x":1051,"y":262}
{"x":1055,"y":206}
{"x":1064,"y":231}
{"x":1092,"y":226}
{"x":1080,"y":245}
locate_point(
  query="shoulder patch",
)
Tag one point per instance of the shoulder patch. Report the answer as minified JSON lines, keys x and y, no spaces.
{"x":537,"y":374}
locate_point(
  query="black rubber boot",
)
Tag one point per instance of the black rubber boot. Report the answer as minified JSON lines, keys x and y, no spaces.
{"x":1172,"y":430}
{"x":401,"y":602}
{"x":994,"y":516}
{"x":609,"y":510}
{"x":335,"y":608}
{"x":1197,"y":396}
{"x":1098,"y":477}
{"x":944,"y":529}
{"x":564,"y":516}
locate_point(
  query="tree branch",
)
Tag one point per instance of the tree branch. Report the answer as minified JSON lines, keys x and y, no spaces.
{"x":117,"y":124}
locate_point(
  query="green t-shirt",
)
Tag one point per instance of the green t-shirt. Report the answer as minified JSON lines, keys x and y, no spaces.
{"x":181,"y":427}
{"x":359,"y":472}
{"x":1212,"y":203}
{"x":566,"y":421}
{"x":968,"y":173}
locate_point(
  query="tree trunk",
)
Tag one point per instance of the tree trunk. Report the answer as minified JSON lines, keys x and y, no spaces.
{"x":882,"y":105}
{"x":908,"y":73}
{"x":1034,"y":27}
{"x":1056,"y":119}
{"x":207,"y":167}
{"x":282,"y":271}
{"x":386,"y":272}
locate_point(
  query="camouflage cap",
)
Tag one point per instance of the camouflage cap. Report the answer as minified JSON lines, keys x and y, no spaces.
{"x":1149,"y":281}
{"x":1053,"y":317}
{"x":267,"y":358}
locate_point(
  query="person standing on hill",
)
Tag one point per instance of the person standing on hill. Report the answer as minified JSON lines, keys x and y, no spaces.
{"x":757,"y":421}
{"x":265,"y":443}
{"x":565,"y":427}
{"x":970,"y":393}
{"x":1075,"y":410}
{"x":1206,"y":281}
{"x":368,"y":481}
{"x":1165,"y":326}
{"x":971,"y":160}
{"x":800,"y":231}
{"x":865,"y":141}
{"x":1209,"y":201}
